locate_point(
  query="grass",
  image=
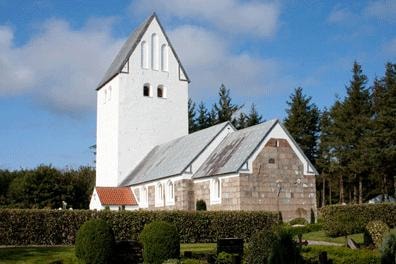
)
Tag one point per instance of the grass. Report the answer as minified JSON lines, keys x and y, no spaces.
{"x":321,"y":236}
{"x":342,"y":255}
{"x":30,"y":255}
{"x":65,"y":255}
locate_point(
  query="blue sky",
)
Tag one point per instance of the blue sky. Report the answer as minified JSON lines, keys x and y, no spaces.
{"x":53,"y":53}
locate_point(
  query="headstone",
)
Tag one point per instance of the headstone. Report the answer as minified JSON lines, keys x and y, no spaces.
{"x":128,"y":251}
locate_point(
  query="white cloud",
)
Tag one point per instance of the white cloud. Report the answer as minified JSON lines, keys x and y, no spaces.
{"x":59,"y":66}
{"x":209,"y":62}
{"x":254,"y":18}
{"x":341,"y":15}
{"x":382,"y":9}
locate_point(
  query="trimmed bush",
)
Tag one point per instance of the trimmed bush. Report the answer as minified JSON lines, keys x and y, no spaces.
{"x":388,"y":249}
{"x":284,"y":249}
{"x":374,"y":232}
{"x":273,"y":246}
{"x":201,"y":205}
{"x":95,"y":242}
{"x":160,"y":241}
{"x":341,"y":220}
{"x":298,"y":221}
{"x":59,"y":227}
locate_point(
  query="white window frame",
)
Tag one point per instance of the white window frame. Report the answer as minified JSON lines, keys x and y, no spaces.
{"x":164,"y":58}
{"x":170,"y":193}
{"x":159,"y":194}
{"x":215,"y":191}
{"x":143,"y":193}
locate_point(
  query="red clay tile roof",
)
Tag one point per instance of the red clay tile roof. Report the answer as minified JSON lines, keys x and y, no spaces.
{"x":116,"y":196}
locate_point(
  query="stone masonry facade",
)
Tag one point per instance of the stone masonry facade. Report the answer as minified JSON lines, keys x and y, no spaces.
{"x":277,"y":183}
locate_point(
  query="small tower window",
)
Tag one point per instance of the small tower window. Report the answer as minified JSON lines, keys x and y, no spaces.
{"x":271,"y":161}
{"x":146,"y":90}
{"x":161,"y":91}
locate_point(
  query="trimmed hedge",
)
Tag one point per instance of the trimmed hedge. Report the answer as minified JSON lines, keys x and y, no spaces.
{"x":160,"y":241}
{"x":341,"y":220}
{"x":59,"y":227}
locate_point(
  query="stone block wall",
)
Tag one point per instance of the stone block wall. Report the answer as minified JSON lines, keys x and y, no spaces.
{"x":278,"y":183}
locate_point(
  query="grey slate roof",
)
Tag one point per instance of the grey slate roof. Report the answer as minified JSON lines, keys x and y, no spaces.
{"x":234,"y":150}
{"x":127,"y":49}
{"x":174,"y":157}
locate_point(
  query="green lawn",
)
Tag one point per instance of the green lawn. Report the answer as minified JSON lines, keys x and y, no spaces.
{"x":46,"y":255}
{"x":321,"y":236}
{"x":37,"y":255}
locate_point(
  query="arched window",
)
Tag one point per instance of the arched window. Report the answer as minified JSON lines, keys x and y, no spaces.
{"x":161,"y":91}
{"x":170,"y":191}
{"x":159,"y":199}
{"x":144,"y":54}
{"x":146,"y":89}
{"x":164,"y":57}
{"x":154,"y":51}
{"x":215,"y":194}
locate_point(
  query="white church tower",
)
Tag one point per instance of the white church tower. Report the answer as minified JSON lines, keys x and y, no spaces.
{"x":141,"y":102}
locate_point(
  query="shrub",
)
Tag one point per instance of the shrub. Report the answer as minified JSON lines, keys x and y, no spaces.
{"x":298,"y":221}
{"x":284,"y":249}
{"x":224,"y":258}
{"x":388,"y":249}
{"x":95,"y":242}
{"x":341,"y":220}
{"x":374,"y":232}
{"x":201,"y":205}
{"x":160,"y":241}
{"x":171,"y":261}
{"x":273,"y":246}
{"x":59,"y":227}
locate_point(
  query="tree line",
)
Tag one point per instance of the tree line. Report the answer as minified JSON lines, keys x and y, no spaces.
{"x":46,"y":187}
{"x":352,"y":143}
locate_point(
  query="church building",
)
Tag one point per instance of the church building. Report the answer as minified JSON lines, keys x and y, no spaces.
{"x":147,"y":160}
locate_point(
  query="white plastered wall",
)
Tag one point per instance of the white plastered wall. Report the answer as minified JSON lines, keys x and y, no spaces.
{"x":145,"y":122}
{"x":107,"y":134}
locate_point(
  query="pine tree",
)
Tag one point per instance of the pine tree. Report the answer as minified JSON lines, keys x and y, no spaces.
{"x":241,"y":121}
{"x":352,"y":121}
{"x":191,"y":116}
{"x":212,"y":117}
{"x":202,"y":120}
{"x":254,"y":117}
{"x":302,"y":122}
{"x":383,"y":138}
{"x":225,"y":109}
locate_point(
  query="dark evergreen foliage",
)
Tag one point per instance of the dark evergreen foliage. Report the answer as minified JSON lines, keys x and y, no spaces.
{"x":225,"y":109}
{"x":302,"y":121}
{"x":191,"y":116}
{"x":160,"y":241}
{"x":253,"y":118}
{"x":200,"y":205}
{"x":95,"y":242}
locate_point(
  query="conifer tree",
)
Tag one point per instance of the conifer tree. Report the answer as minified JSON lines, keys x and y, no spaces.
{"x":225,"y":109}
{"x":241,"y":121}
{"x":383,"y":138}
{"x":191,"y":116}
{"x":254,"y":117}
{"x":212,"y":117}
{"x":302,"y":122}
{"x":352,"y":121}
{"x":202,"y":120}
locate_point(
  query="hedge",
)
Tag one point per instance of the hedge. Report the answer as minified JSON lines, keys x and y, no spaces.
{"x":341,"y":220}
{"x":59,"y":227}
